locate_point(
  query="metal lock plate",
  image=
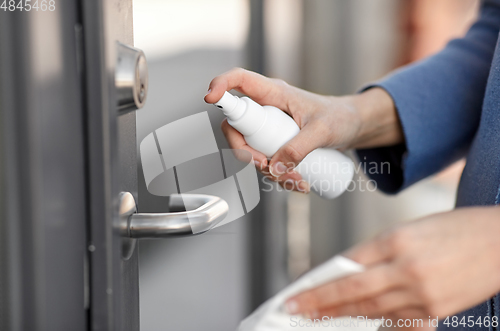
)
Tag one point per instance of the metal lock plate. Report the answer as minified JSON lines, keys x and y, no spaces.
{"x":131,"y":78}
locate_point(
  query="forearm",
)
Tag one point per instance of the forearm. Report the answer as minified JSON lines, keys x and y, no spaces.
{"x":379,"y":122}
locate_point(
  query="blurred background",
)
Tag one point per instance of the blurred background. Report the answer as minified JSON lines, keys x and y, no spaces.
{"x":325,"y":46}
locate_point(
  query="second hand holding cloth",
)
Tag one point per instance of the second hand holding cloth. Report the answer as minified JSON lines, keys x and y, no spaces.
{"x":270,"y":316}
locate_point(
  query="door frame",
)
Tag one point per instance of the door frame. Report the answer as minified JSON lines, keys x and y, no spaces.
{"x":112,"y":168}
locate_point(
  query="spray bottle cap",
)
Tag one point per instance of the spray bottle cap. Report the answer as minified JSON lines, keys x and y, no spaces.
{"x":230,"y":106}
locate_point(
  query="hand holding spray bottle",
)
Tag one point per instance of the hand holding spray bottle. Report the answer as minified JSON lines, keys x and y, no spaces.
{"x":267,"y":128}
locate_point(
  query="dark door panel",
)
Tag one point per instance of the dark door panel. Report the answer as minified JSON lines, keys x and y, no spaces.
{"x":42,"y":172}
{"x":114,"y":297}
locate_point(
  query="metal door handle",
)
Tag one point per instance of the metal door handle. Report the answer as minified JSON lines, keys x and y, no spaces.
{"x":202,"y":213}
{"x":199,"y":214}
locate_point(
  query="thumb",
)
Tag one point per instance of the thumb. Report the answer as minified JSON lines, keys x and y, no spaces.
{"x":294,"y":151}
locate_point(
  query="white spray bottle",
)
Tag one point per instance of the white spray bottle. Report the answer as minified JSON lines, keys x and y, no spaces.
{"x":267,"y":128}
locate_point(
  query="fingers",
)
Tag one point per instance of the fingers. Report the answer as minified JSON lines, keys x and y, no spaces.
{"x":372,"y":307}
{"x":261,"y":89}
{"x":265,"y":91}
{"x":346,"y":291}
{"x":236,"y":141}
{"x":293,"y":152}
{"x":410,"y":313}
{"x":291,"y":181}
{"x":374,"y":251}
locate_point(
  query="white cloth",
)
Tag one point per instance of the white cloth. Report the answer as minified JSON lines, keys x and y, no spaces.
{"x":270,"y":316}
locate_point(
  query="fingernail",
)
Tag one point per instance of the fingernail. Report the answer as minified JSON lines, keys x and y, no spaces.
{"x":292,"y":307}
{"x":277,"y":169}
{"x":208,"y":92}
{"x":311,"y":314}
{"x":257,"y":164}
{"x":288,"y":185}
{"x":303,"y":186}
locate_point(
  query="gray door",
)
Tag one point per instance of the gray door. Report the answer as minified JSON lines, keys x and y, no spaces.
{"x":65,"y":156}
{"x":69,"y":84}
{"x":43,"y":213}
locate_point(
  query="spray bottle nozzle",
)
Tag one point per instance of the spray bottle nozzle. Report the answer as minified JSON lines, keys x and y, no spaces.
{"x":227,"y":103}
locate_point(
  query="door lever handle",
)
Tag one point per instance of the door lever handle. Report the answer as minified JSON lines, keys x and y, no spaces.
{"x":200,"y":214}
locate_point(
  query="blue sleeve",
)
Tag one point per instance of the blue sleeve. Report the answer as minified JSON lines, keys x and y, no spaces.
{"x":439,"y":102}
